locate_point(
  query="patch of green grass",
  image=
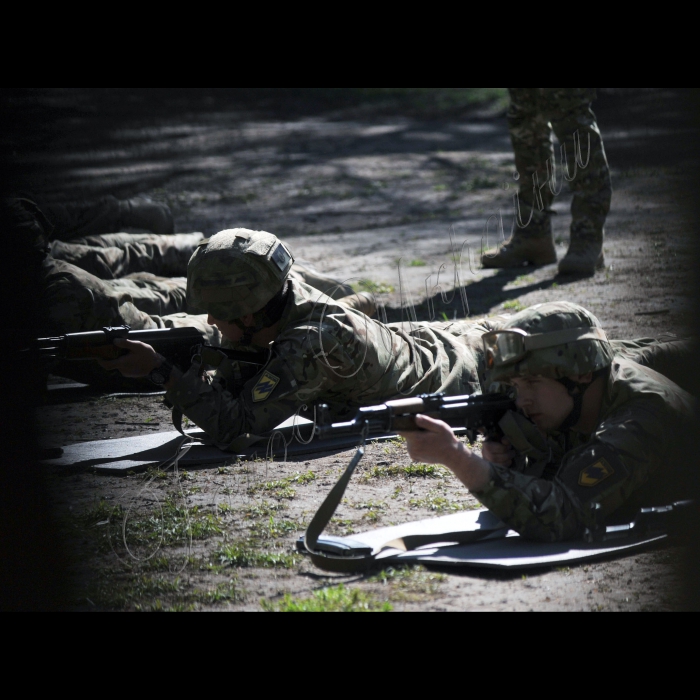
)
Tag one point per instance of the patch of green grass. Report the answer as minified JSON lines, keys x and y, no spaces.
{"x":413,"y":471}
{"x":345,"y":527}
{"x":416,"y":581}
{"x":330,"y":600}
{"x":437,"y":504}
{"x":144,"y":593}
{"x":282,"y":490}
{"x":418,"y":263}
{"x":424,"y":471}
{"x":134,"y":592}
{"x":373,"y":287}
{"x":168,"y":525}
{"x":370,"y":505}
{"x":224,"y":593}
{"x":102,"y":513}
{"x":241,"y":555}
{"x":302,"y":479}
{"x":514,"y":305}
{"x":155,"y":474}
{"x":440,"y":188}
{"x":263,"y":510}
{"x":275,"y":530}
{"x":155,"y":565}
{"x":160,"y":607}
{"x":525,"y":279}
{"x":276,"y":489}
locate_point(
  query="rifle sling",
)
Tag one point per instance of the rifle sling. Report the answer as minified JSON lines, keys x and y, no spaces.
{"x":357,"y":564}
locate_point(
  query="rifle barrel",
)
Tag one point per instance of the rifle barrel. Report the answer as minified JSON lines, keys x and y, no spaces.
{"x":178,"y":344}
{"x":470,"y":412}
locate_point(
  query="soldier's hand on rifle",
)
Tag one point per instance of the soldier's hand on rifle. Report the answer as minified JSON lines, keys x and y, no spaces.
{"x":437,"y":444}
{"x":139,"y":362}
{"x":501,"y":453}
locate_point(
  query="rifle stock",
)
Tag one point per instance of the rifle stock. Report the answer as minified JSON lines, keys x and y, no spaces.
{"x":472,"y":413}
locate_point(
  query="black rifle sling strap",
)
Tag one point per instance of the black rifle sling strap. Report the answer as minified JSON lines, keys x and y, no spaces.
{"x":356,"y":564}
{"x":324,"y":516}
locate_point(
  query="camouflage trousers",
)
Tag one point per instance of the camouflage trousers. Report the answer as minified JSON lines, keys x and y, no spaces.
{"x":77,"y":301}
{"x":78,"y":219}
{"x":534,"y":114}
{"x":116,"y":255}
{"x":305,"y":272}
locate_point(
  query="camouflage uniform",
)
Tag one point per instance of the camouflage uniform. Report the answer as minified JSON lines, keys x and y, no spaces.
{"x":633,"y":458}
{"x":116,"y":255}
{"x":533,"y":115}
{"x":76,"y":301}
{"x":328,"y":353}
{"x":74,"y":220}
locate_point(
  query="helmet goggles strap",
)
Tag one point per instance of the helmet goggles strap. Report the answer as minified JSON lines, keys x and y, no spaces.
{"x":513,"y":345}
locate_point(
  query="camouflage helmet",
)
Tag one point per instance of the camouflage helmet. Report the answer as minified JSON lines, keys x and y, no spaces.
{"x":236,"y":273}
{"x":550,"y":340}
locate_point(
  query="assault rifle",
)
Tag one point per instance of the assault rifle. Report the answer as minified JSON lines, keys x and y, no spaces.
{"x":472,"y":413}
{"x":179,"y":345}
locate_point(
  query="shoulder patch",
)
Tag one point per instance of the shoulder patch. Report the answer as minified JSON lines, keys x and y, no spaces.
{"x":596,"y":474}
{"x":264,"y":388}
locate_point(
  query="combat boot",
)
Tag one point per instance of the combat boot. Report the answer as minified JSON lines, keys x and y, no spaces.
{"x":143,"y":213}
{"x":363,"y":301}
{"x":522,"y":250}
{"x":585,"y":256}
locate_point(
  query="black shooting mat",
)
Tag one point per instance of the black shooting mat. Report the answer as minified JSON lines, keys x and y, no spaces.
{"x":137,"y":454}
{"x":494,"y":547}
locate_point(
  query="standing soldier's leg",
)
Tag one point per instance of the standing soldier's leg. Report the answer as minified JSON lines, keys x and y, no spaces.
{"x":576,"y":128}
{"x":112,"y":256}
{"x":531,"y":134}
{"x":73,"y":220}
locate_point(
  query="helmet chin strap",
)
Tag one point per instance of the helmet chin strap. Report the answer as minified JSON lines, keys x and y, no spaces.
{"x":266,"y":318}
{"x":577,"y":392}
{"x":248,"y":331}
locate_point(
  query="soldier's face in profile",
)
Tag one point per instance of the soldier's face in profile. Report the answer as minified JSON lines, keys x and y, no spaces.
{"x":545,"y":402}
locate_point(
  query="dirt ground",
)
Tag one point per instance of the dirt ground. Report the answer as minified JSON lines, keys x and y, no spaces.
{"x":382,"y":200}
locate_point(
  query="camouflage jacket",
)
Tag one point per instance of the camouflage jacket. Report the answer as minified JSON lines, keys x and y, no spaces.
{"x":328,"y":353}
{"x":631,"y":460}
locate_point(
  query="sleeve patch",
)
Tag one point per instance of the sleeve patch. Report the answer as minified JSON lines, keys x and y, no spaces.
{"x":596,"y":474}
{"x":265,"y":386}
